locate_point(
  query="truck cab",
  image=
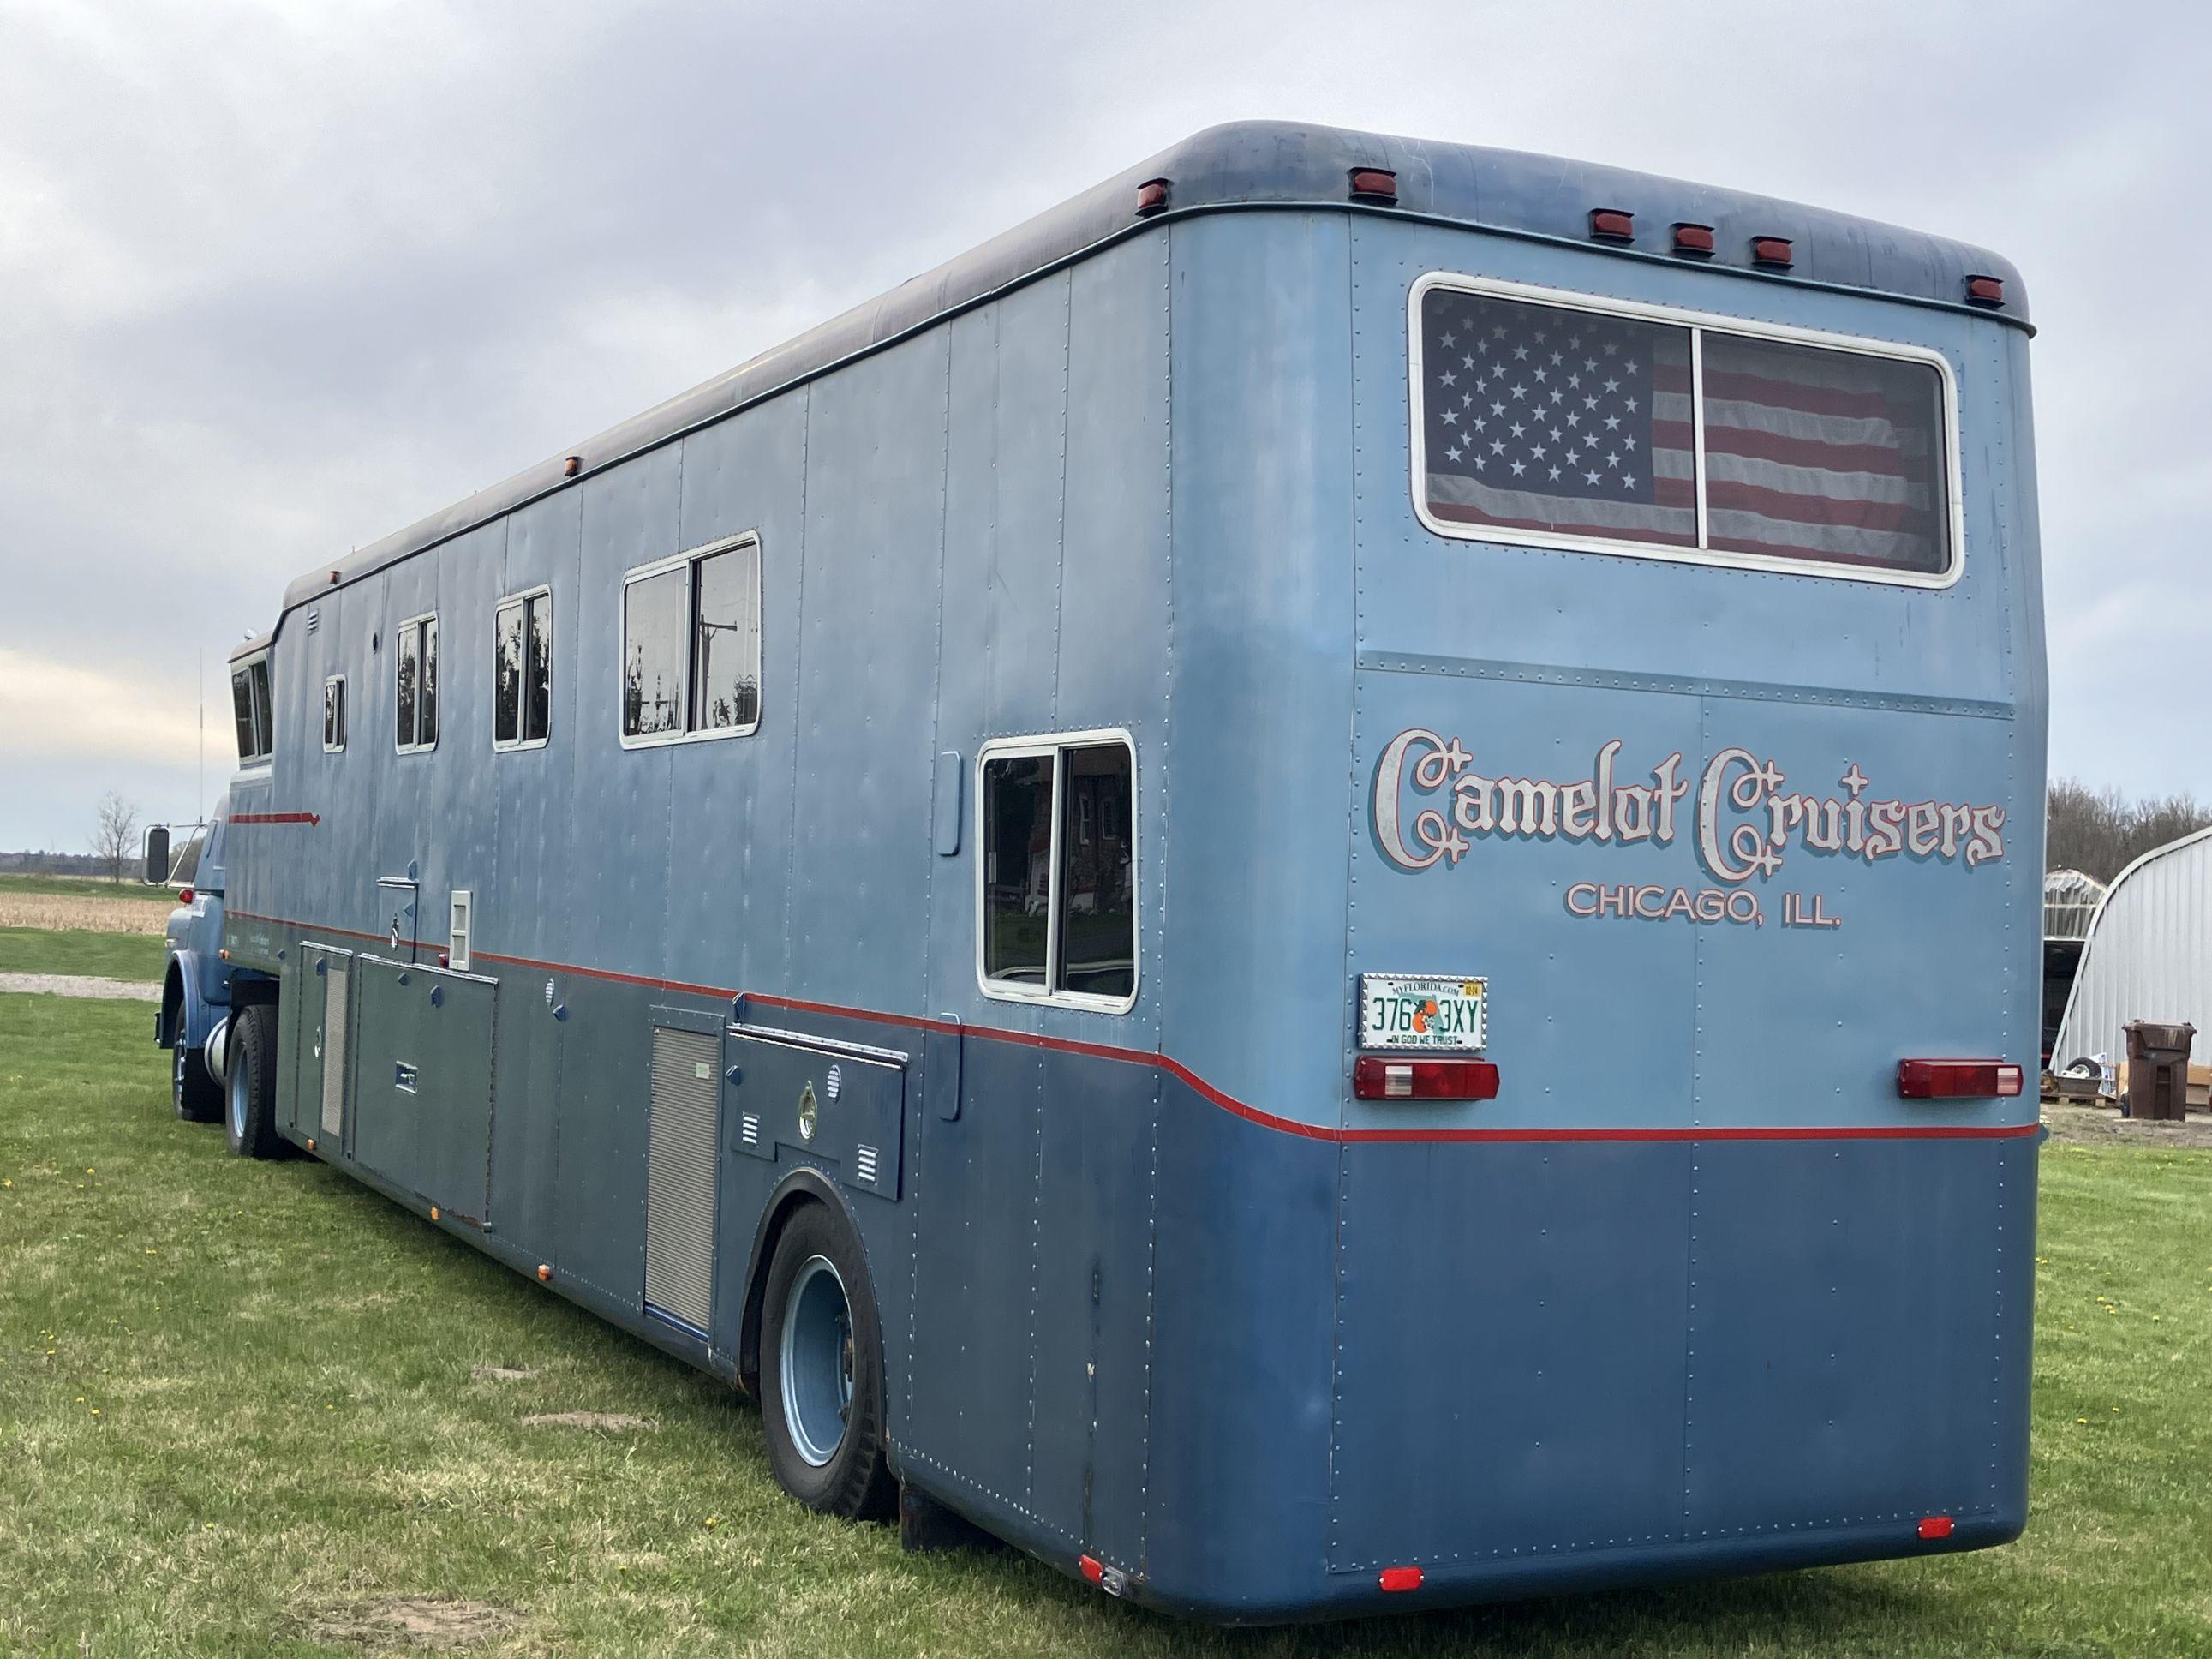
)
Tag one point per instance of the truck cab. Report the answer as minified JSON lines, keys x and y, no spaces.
{"x":195,"y":979}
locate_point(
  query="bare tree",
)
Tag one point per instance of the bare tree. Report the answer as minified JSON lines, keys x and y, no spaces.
{"x":115,"y":841}
{"x":2101,"y":832}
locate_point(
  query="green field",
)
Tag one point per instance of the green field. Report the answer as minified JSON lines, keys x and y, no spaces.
{"x":74,"y":950}
{"x":90,"y":887}
{"x":249,"y":1408}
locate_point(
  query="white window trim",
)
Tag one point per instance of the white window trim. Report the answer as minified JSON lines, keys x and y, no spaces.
{"x":692,"y":556}
{"x":345,"y":715}
{"x":244,"y":664}
{"x":397,"y":747}
{"x":1001,"y":990}
{"x":543,"y":591}
{"x":460,"y":928}
{"x":1697,"y":322}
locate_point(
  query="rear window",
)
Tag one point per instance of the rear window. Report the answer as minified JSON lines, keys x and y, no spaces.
{"x":1566,"y":424}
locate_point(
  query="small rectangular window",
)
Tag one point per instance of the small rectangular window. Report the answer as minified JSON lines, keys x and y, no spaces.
{"x":691,"y":645}
{"x":522,"y":670}
{"x":250,"y":711}
{"x":265,"y":730}
{"x":415,"y":675}
{"x":458,"y":931}
{"x":1057,"y":912}
{"x":334,"y":715}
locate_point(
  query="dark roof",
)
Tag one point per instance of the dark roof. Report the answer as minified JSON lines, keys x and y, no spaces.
{"x":1272,"y":163}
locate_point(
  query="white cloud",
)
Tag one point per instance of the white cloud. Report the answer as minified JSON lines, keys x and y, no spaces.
{"x":50,"y":708}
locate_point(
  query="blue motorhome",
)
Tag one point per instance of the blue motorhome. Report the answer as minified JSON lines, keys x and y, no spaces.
{"x":1313,"y":886}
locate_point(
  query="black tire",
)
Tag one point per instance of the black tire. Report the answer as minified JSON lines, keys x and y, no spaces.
{"x":194,"y":1094}
{"x":249,"y":1118}
{"x":854,"y":1478}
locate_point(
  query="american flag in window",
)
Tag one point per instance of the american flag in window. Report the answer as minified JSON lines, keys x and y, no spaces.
{"x":1536,"y":417}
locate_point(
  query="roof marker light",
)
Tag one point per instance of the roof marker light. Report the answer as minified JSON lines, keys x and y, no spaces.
{"x":1151,"y":196}
{"x":1696,"y":240}
{"x":1957,"y":1079}
{"x":1382,"y":1077}
{"x":1613,"y":225}
{"x":1377,"y":184}
{"x":1771,"y":250}
{"x":1985,"y":290}
{"x":1400,"y":1578}
{"x":572,"y":466}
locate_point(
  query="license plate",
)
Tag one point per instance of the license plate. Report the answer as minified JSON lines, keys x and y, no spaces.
{"x":1398,"y":1011}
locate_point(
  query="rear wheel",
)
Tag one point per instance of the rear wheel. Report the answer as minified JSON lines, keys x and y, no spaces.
{"x":822,"y":1370}
{"x":194,"y":1094}
{"x":249,"y":1118}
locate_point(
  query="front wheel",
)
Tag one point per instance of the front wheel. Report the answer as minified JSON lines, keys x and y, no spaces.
{"x":191,"y":1090}
{"x":250,"y":1096}
{"x":822,"y":1370}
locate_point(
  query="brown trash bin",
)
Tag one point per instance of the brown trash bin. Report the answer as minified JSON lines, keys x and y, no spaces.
{"x":2158,"y":1071}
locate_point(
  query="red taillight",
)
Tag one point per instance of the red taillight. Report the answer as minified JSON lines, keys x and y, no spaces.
{"x":1611,"y":225}
{"x":1957,"y":1079}
{"x":1985,"y":290}
{"x":1378,"y":1077}
{"x":1694,"y":239}
{"x":184,"y":895}
{"x":1376,"y":183}
{"x":445,"y":959}
{"x":1151,"y":196}
{"x":1093,"y":1568}
{"x":1935,"y":1526}
{"x":1400,"y":1578}
{"x":1771,"y":250}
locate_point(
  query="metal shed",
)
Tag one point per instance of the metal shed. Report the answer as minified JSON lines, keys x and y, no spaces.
{"x":2150,"y":953}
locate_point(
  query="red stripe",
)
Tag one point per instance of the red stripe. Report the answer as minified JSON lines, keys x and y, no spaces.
{"x":1229,"y":1102}
{"x":276,"y":817}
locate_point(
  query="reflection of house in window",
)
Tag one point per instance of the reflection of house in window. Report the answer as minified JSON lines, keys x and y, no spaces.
{"x":1069,"y":927}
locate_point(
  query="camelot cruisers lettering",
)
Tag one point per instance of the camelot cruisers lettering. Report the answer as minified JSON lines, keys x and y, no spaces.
{"x":1745,"y":819}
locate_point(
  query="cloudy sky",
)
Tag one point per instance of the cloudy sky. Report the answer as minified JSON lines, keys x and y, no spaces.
{"x":278,"y":279}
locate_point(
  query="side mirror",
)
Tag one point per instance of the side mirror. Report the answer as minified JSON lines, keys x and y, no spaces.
{"x":157,"y":855}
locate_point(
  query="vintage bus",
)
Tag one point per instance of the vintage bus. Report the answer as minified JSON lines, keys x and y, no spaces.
{"x":1313,"y":886}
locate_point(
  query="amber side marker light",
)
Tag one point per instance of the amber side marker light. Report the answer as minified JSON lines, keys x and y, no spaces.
{"x":1959,"y":1080}
{"x":1375,"y":184}
{"x":1378,"y":1077}
{"x":310,"y":1143}
{"x":434,"y":1212}
{"x":544,"y":1272}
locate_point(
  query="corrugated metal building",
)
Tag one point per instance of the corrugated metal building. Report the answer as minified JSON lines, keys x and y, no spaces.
{"x":2150,"y":955}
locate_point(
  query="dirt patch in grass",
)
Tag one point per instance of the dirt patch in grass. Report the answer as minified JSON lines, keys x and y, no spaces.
{"x":605,"y":1422}
{"x":501,"y":1373}
{"x":84,"y":914}
{"x":412,"y":1621}
{"x":2104,"y":1126}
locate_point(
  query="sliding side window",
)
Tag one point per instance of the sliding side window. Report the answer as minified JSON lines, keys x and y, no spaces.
{"x":415,"y":671}
{"x":522,"y":670}
{"x":1057,"y":866}
{"x":691,"y":645}
{"x":249,"y":701}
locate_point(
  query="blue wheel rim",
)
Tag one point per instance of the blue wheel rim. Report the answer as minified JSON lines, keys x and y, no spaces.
{"x":817,"y":1362}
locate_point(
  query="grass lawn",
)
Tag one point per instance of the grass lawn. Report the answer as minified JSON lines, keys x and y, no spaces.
{"x":74,"y":950}
{"x":90,"y":887}
{"x":251,"y":1408}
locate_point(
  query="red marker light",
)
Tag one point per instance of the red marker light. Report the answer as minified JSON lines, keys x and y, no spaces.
{"x":1093,"y":1568}
{"x":184,"y":895}
{"x":1957,"y":1079}
{"x":1771,"y":250}
{"x":1400,"y":1578}
{"x":1611,"y":225}
{"x":1151,"y":196}
{"x":1379,"y":1077}
{"x":1694,"y":239}
{"x":1379,"y":183}
{"x":1935,"y":1526}
{"x":1985,"y":290}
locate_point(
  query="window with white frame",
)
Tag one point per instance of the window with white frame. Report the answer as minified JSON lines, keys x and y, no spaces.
{"x":522,"y":670}
{"x":1056,"y":903}
{"x":691,"y":645}
{"x":415,"y":683}
{"x":1553,"y":420}
{"x":334,"y":715}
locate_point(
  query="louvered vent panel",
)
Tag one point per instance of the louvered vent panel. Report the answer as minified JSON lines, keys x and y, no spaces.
{"x":334,"y":1053}
{"x":679,"y":1204}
